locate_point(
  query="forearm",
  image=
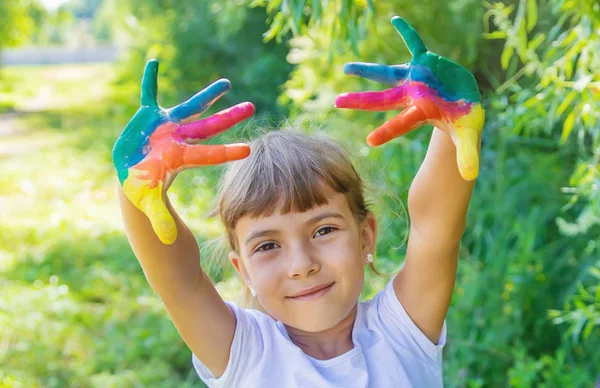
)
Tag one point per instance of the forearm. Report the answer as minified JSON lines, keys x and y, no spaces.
{"x":439,"y":197}
{"x":168,"y":268}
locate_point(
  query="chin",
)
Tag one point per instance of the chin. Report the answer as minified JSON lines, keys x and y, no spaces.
{"x":314,"y":319}
{"x":318,"y":314}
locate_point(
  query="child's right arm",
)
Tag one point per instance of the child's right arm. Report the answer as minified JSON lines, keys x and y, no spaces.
{"x":203,"y":320}
{"x":154,"y":146}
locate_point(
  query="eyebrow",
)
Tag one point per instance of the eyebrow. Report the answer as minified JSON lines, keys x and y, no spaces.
{"x":315,"y":219}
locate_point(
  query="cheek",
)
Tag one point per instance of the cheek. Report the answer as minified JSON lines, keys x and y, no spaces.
{"x":345,"y":249}
{"x":265,"y":273}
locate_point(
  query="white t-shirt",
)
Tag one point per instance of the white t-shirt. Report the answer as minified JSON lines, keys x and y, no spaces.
{"x":389,"y":351}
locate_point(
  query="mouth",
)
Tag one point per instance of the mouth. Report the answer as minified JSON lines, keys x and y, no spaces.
{"x":312,"y":293}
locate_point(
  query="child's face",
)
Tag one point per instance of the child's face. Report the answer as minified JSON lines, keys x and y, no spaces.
{"x":282,"y":255}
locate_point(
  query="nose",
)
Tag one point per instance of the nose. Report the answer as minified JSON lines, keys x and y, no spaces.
{"x":303,"y":262}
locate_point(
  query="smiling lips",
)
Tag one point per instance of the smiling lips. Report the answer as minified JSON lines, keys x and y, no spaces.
{"x":312,"y":292}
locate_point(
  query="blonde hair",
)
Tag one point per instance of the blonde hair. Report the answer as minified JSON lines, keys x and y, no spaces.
{"x":292,"y":167}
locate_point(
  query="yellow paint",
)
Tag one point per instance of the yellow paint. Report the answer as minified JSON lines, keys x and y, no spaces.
{"x":468,"y":130}
{"x":150,"y":202}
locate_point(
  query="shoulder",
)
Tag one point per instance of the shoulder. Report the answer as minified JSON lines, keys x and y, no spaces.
{"x":256,"y":335}
{"x":385,"y":315}
{"x":252,"y":323}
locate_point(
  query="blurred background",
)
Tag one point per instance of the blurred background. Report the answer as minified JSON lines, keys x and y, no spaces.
{"x":75,"y":308}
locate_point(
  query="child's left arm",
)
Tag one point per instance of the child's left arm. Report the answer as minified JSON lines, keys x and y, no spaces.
{"x":431,"y":90}
{"x":437,"y":204}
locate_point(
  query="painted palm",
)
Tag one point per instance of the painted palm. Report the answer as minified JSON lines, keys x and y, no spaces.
{"x":431,"y":90}
{"x":158,"y":143}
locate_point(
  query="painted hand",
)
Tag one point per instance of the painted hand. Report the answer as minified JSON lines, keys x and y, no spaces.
{"x":158,"y":143}
{"x":432,"y":90}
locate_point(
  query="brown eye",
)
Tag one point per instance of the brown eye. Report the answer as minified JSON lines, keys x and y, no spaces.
{"x":324,"y":231}
{"x":266,"y":247}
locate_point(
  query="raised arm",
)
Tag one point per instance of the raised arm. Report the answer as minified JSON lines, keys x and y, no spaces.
{"x":431,"y":90}
{"x":155,"y":145}
{"x":438,"y":200}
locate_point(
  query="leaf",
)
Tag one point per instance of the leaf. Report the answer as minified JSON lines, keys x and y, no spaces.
{"x":354,"y":32}
{"x":316,"y":11}
{"x":554,"y":313}
{"x":567,"y":38}
{"x":531,"y":102}
{"x":371,"y":5}
{"x":495,"y":35}
{"x":506,"y":56}
{"x":532,"y":14}
{"x":568,"y":126}
{"x":346,"y":8}
{"x":589,"y":326}
{"x":522,"y":34}
{"x":535,"y":42}
{"x":275,"y":28}
{"x":257,"y":3}
{"x":298,"y":11}
{"x":273,"y":5}
{"x":568,"y":70}
{"x":563,"y":106}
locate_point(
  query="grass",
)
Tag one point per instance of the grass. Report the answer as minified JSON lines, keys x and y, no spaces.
{"x":75,"y":308}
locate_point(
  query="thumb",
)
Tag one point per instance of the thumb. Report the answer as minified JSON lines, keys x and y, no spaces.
{"x":468,"y":132}
{"x":150,"y":201}
{"x":467,"y":153}
{"x":161,"y":219}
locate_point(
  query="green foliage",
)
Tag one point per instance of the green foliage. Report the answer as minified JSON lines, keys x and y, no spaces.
{"x":552,"y":92}
{"x":560,"y":75}
{"x":355,"y":17}
{"x":76,"y":23}
{"x":197,"y":43}
{"x":320,"y":55}
{"x":18,"y":20}
{"x":515,"y":267}
{"x":75,"y":308}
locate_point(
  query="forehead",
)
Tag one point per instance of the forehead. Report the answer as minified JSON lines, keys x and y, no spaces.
{"x":247,"y":224}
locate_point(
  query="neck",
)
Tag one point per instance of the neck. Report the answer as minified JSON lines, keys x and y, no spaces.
{"x":326,"y":344}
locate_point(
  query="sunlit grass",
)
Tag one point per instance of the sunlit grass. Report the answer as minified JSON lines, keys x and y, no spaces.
{"x":54,"y":86}
{"x":75,"y":308}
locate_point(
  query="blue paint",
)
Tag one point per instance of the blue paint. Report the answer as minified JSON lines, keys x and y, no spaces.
{"x":201,"y":101}
{"x":132,"y":143}
{"x":391,"y":75}
{"x":423,"y":74}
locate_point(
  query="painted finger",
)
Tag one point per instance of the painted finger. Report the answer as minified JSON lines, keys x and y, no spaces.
{"x":468,"y":133}
{"x":391,"y":75}
{"x":467,"y":153}
{"x":201,"y":101}
{"x":411,"y":38}
{"x":394,"y":98}
{"x":154,"y":206}
{"x":147,"y":195}
{"x":150,"y":84}
{"x":217,"y":123}
{"x":202,"y":155}
{"x":402,"y":123}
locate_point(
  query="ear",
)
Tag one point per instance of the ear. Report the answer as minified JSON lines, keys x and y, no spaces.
{"x":238,"y":264}
{"x":368,"y":234}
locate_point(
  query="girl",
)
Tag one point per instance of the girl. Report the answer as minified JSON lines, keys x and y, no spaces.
{"x":300,"y":235}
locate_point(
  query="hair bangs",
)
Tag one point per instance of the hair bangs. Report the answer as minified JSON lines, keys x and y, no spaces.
{"x":288,"y":171}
